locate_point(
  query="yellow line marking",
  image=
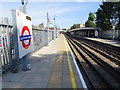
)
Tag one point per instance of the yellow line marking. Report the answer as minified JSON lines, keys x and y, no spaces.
{"x":70,"y":67}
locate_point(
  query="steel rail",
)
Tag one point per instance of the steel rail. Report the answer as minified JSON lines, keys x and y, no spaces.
{"x":80,"y":65}
{"x":95,"y":70}
{"x":111,"y":52}
{"x":102,"y":63}
{"x":102,"y":53}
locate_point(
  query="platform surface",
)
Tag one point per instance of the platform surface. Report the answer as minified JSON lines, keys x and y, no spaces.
{"x":49,"y":69}
{"x":111,"y":42}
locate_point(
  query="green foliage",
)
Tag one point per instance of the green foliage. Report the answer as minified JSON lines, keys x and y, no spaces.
{"x":108,"y":15}
{"x":91,"y":16}
{"x":90,"y":21}
{"x":64,"y":29}
{"x":118,"y":15}
{"x":73,"y":27}
{"x":118,"y":26}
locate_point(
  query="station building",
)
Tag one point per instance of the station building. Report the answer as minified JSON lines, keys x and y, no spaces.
{"x":85,"y":31}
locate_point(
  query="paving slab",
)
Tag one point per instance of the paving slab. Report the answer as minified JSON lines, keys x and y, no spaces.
{"x":13,"y":85}
{"x":35,"y":85}
{"x":66,"y":81}
{"x":15,"y":77}
{"x":55,"y":80}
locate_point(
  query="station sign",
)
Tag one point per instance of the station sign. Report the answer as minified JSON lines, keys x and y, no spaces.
{"x":24,"y":33}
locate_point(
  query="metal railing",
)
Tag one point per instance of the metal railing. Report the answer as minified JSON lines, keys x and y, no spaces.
{"x":6,"y":46}
{"x":40,"y":37}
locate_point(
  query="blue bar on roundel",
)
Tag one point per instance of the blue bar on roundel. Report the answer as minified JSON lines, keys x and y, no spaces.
{"x":25,"y":37}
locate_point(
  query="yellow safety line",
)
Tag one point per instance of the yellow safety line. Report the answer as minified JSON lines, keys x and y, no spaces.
{"x":70,"y":68}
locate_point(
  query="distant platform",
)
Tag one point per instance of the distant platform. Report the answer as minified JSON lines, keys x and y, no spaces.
{"x":111,"y":42}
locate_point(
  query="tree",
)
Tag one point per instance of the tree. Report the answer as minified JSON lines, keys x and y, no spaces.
{"x":64,"y":29}
{"x":108,"y":15}
{"x":73,"y":26}
{"x":91,"y":16}
{"x":118,"y":15}
{"x":90,"y":21}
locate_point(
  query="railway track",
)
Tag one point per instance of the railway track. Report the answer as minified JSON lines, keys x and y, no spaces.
{"x":98,"y":70}
{"x":105,"y":53}
{"x":110,"y":52}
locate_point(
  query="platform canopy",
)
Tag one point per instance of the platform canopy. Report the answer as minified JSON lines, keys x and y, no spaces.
{"x":83,"y":29}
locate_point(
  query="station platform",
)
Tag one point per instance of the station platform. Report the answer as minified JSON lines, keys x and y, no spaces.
{"x":52,"y":66}
{"x":106,"y":41}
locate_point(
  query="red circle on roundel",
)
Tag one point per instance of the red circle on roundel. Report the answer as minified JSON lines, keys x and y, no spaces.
{"x":26,"y":46}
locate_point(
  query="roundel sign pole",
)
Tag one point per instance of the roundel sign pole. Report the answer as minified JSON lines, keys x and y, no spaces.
{"x":25,"y":28}
{"x":22,"y":27}
{"x":23,"y":5}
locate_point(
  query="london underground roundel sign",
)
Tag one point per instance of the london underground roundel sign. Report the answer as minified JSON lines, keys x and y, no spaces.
{"x":24,"y":33}
{"x":25,"y":37}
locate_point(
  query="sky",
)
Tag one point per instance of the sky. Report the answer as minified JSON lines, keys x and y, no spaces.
{"x":66,"y":13}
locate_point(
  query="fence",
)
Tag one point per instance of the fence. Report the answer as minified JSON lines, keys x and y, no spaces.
{"x":110,"y":34}
{"x":40,"y":38}
{"x":6,"y":46}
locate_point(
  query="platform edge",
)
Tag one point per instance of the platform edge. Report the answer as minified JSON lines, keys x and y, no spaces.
{"x":78,"y":70}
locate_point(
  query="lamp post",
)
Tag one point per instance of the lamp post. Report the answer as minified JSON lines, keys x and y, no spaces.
{"x":48,"y":26}
{"x":25,"y":62}
{"x":55,"y":28}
